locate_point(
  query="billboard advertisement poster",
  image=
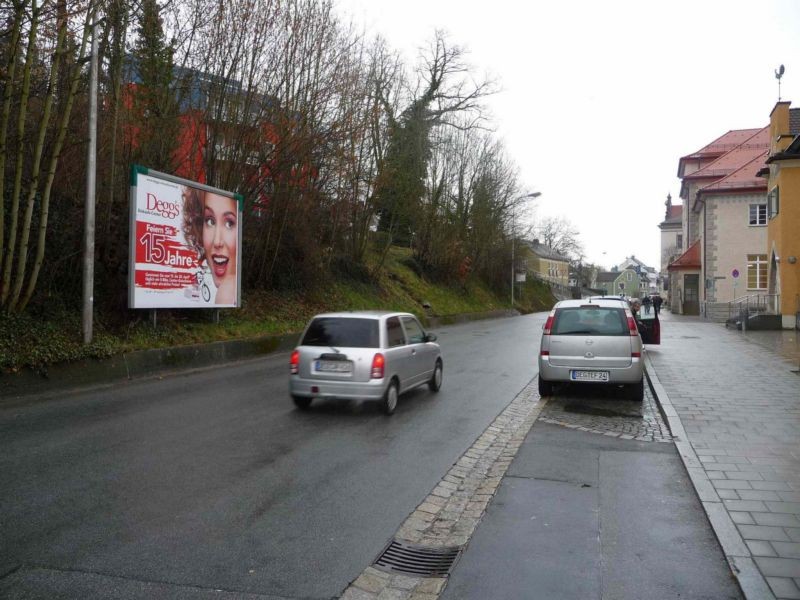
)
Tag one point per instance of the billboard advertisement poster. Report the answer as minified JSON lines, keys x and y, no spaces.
{"x":185,"y":243}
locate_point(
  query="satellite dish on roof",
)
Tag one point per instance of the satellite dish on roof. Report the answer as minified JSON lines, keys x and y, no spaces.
{"x":778,"y":74}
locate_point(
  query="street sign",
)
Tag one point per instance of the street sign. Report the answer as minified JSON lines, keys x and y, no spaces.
{"x":735,"y":273}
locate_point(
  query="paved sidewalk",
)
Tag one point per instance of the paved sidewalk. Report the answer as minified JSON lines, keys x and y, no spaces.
{"x":734,"y":409}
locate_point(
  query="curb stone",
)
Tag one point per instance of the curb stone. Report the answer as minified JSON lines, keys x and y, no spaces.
{"x":749,"y":578}
{"x":451,"y":513}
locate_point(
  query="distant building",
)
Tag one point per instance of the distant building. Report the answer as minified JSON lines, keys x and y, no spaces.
{"x":543,"y":262}
{"x":625,"y":282}
{"x":648,"y":275}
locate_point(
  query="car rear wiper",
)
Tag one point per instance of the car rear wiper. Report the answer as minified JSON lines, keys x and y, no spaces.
{"x":577,"y":332}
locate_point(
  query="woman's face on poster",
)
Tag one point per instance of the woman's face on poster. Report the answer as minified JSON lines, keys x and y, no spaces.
{"x":220,"y":232}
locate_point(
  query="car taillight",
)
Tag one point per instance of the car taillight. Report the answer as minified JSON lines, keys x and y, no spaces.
{"x":294,"y":363}
{"x":632,"y":326}
{"x":636,"y":354}
{"x":378,"y":363}
{"x":549,"y":324}
{"x":545,"y":353}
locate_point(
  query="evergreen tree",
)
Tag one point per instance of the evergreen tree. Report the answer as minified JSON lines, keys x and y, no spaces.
{"x":401,"y":184}
{"x":155,"y":99}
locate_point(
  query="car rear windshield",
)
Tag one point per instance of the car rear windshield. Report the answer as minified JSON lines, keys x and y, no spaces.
{"x":594,"y":320}
{"x":343,"y":332}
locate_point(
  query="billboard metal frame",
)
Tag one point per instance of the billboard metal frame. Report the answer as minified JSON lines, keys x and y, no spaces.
{"x":137,"y":170}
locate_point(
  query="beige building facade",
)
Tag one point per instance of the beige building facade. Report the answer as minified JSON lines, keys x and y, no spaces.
{"x":734,"y":252}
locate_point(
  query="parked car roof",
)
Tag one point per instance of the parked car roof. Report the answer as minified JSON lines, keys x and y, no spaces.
{"x":597,"y":300}
{"x":374,"y":314}
{"x":615,"y":298}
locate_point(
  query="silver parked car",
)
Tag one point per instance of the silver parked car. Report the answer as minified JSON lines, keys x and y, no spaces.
{"x":596,"y":341}
{"x":365,"y":355}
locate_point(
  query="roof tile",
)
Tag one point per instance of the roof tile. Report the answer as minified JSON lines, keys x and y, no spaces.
{"x":688,"y":260}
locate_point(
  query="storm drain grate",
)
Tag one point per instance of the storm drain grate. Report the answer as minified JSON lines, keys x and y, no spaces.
{"x":422,"y":561}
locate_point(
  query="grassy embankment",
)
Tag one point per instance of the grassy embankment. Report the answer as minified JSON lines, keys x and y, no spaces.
{"x":37,"y":340}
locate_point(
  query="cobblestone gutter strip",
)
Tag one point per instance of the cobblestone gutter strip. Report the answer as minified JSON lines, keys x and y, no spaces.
{"x":623,"y":419}
{"x":752,"y":583}
{"x":452,"y":511}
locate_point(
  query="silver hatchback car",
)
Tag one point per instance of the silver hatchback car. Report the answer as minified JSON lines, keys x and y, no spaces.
{"x":595,"y":341}
{"x":366,"y":355}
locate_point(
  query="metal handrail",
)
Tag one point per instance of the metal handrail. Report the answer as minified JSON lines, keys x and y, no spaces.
{"x":752,"y":303}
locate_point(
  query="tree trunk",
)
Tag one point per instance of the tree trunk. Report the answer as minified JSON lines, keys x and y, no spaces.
{"x":11,"y":66}
{"x":23,"y":111}
{"x":51,"y":173}
{"x":33,"y":185}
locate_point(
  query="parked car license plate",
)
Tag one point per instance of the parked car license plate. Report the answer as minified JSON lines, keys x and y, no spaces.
{"x":588,"y":375}
{"x":334,"y":366}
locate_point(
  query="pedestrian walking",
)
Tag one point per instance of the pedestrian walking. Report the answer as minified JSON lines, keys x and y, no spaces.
{"x":657,"y":300}
{"x":646,"y":302}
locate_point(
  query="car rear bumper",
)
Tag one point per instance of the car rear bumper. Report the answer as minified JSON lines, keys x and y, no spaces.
{"x":631,"y":374}
{"x":321,"y":388}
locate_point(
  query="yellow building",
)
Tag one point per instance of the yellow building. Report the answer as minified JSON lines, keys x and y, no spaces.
{"x":783,"y":208}
{"x":544,"y":263}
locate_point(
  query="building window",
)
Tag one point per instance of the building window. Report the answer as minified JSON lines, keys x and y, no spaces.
{"x":773,"y":200}
{"x":679,"y":241}
{"x":629,"y":276}
{"x":756,"y":271}
{"x":758,"y":214}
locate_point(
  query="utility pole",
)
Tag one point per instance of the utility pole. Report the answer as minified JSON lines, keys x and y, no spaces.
{"x":91,"y":175}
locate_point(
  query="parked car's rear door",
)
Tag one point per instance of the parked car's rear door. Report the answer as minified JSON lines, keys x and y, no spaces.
{"x":649,"y":327}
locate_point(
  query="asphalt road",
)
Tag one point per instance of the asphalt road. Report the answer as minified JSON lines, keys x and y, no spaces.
{"x":211,"y":484}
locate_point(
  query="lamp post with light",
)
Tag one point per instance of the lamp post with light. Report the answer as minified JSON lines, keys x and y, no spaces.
{"x":513,"y":239}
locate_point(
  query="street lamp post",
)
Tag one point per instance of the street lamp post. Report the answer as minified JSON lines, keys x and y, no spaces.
{"x":513,"y":239}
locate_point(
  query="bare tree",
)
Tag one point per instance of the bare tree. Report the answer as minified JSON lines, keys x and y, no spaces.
{"x":561,"y":235}
{"x":445,"y":93}
{"x":57,"y":18}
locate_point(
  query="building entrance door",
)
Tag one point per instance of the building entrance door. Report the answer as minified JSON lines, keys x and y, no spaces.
{"x":691,"y":294}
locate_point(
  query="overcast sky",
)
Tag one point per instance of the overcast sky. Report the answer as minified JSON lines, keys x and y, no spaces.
{"x":600,"y":99}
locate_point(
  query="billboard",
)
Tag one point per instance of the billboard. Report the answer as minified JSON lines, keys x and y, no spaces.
{"x":185,"y":243}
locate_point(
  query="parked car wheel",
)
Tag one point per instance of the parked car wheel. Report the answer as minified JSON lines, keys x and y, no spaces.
{"x":636,"y":391}
{"x":545,"y":387}
{"x":301,"y":402}
{"x":390,"y":398}
{"x":435,"y":384}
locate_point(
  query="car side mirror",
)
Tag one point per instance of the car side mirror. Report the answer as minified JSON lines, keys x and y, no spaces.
{"x":431,"y":337}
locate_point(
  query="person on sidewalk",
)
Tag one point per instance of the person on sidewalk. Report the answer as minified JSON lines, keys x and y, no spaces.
{"x":646,"y":302}
{"x":657,"y":300}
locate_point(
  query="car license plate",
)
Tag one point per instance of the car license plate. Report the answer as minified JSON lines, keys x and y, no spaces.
{"x":334,"y":366}
{"x":588,"y":375}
